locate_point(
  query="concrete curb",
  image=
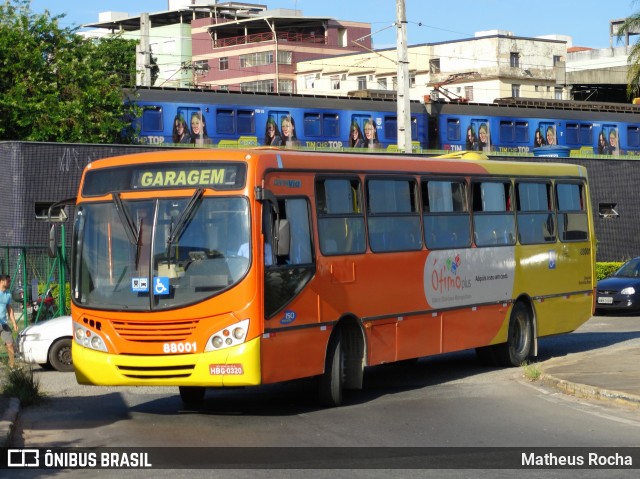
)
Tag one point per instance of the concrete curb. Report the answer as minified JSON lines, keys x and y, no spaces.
{"x":590,"y":392}
{"x":8,"y":420}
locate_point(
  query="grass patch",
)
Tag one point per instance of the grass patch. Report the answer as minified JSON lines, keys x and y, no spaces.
{"x":22,"y":384}
{"x":531,"y":371}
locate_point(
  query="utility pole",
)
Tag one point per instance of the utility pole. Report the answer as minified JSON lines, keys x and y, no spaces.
{"x":404,"y":112}
{"x":143,"y":53}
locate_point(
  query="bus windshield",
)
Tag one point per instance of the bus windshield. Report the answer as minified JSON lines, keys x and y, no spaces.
{"x":159,"y":254}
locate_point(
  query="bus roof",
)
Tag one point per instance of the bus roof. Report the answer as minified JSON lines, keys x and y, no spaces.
{"x":276,"y":158}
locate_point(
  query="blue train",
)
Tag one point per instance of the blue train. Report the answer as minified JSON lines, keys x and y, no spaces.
{"x":227,"y":119}
{"x":509,"y":125}
{"x":518,"y":125}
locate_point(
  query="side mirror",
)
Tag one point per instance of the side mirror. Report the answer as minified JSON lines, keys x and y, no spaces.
{"x":283,"y":237}
{"x":52,"y":249}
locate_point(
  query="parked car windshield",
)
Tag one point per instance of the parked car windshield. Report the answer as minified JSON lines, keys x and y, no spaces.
{"x":630,"y":269}
{"x":158,"y":254}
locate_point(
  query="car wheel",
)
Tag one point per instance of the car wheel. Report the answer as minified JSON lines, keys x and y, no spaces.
{"x":60,"y":355}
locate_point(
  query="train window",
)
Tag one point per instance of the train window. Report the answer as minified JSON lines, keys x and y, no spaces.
{"x":453,"y":129}
{"x":522,"y":131}
{"x":152,"y":118}
{"x":586,"y":134}
{"x":633,"y":137}
{"x":493,"y":218}
{"x":390,"y":127}
{"x":572,"y":134}
{"x":331,"y":125}
{"x":445,"y":213}
{"x":572,"y":215}
{"x":507,"y":131}
{"x":246,"y":122}
{"x":579,"y":134}
{"x":535,"y":215}
{"x":393,"y":218}
{"x":312,"y":125}
{"x":225,"y":122}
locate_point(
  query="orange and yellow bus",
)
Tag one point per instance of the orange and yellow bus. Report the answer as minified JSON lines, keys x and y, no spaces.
{"x":217,"y":268}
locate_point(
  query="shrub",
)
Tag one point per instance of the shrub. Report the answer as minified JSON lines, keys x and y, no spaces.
{"x":22,"y":384}
{"x":604,"y":270}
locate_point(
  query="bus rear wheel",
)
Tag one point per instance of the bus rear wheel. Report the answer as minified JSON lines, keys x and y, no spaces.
{"x":519,"y":343}
{"x":331,"y":381}
{"x":192,"y":395}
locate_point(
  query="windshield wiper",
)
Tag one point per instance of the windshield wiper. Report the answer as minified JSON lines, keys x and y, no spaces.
{"x":185,"y":216}
{"x":134,"y":234}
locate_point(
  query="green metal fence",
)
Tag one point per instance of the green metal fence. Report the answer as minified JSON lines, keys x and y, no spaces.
{"x":34,"y":273}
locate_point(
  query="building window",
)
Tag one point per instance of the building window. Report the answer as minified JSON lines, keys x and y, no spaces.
{"x":284,"y":58}
{"x":556,"y":59}
{"x":263,"y":86}
{"x":223,"y":63}
{"x":514,"y":59}
{"x":362,"y":83}
{"x":412,"y":80}
{"x":285,"y":86}
{"x":515,"y":91}
{"x":468,"y":93}
{"x":335,"y":82}
{"x":256,"y":59}
{"x":434,"y":65}
{"x":382,"y":83}
{"x":310,"y":82}
{"x":201,"y":67}
{"x":557,"y":93}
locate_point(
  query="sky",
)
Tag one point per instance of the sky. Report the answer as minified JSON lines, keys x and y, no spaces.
{"x":429,"y":21}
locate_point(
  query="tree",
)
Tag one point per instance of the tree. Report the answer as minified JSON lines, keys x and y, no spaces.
{"x":56,"y":85}
{"x":632,"y":25}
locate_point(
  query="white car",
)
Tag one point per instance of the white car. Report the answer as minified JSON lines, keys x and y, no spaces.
{"x":48,"y":343}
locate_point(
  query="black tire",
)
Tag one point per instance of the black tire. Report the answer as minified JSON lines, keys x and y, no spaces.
{"x":192,"y":395}
{"x":331,"y":381}
{"x":60,"y":355}
{"x":519,"y":343}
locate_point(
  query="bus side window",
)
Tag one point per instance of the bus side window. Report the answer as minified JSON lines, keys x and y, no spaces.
{"x":446,"y":215}
{"x":340,"y":218}
{"x":392,"y":215}
{"x":536,"y":220}
{"x":493,"y":218}
{"x":572,"y":215}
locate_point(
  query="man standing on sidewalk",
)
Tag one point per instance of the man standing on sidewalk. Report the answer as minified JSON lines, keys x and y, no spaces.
{"x":6,"y":315}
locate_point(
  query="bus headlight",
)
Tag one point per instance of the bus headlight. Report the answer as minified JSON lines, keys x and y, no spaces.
{"x":88,"y":339}
{"x":232,"y":335}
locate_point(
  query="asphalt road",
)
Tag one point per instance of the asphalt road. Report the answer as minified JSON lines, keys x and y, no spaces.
{"x":444,"y":401}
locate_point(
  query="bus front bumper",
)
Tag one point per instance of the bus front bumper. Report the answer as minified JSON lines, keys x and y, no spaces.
{"x":229,"y":367}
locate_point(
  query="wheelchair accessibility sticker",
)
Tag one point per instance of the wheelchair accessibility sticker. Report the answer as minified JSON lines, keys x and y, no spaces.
{"x":160,"y":285}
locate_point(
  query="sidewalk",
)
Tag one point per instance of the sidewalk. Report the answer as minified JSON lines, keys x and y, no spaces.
{"x":610,"y":373}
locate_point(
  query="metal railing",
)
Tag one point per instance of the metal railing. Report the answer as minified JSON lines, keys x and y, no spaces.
{"x":33,"y":273}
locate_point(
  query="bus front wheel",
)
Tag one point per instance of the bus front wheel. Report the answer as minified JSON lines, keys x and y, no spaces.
{"x":519,"y":343}
{"x":192,"y":395}
{"x":331,"y":381}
